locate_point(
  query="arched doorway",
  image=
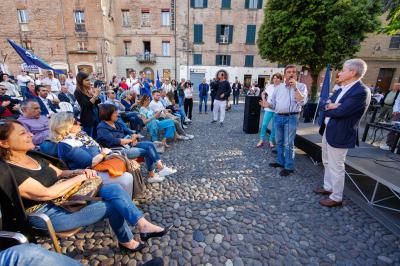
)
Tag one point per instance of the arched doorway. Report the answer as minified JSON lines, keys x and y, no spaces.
{"x":149,"y":73}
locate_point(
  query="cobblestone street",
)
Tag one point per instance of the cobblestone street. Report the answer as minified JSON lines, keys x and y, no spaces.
{"x":229,"y":208}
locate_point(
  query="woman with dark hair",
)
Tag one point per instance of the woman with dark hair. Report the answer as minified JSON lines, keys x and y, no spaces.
{"x":112,"y":135}
{"x":38,"y":184}
{"x":188,"y":102}
{"x":269,"y":114}
{"x":223,"y":90}
{"x":153,"y":125}
{"x":88,"y":100}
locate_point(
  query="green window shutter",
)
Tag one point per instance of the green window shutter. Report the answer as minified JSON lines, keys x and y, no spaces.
{"x":251,"y":34}
{"x":226,"y":4}
{"x":205,"y":3}
{"x":246,"y":4}
{"x":198,"y":33}
{"x":217,"y":35}
{"x":228,"y":60}
{"x":191,"y":3}
{"x":230,"y":34}
{"x":197,"y":59}
{"x":259,"y":4}
{"x":248,"y":60}
{"x":218,"y":60}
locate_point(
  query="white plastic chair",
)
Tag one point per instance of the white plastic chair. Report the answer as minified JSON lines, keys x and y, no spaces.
{"x":66,"y":107}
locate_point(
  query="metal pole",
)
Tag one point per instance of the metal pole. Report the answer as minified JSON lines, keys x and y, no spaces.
{"x":315,"y":114}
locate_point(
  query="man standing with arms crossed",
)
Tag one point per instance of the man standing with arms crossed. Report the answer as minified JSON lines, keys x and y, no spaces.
{"x":342,"y":114}
{"x":287,"y":102}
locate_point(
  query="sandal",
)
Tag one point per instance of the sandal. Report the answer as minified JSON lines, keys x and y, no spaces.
{"x":260,"y":144}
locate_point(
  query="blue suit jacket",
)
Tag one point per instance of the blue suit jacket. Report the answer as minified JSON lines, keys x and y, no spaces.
{"x":201,"y":89}
{"x":43,"y":109}
{"x":342,"y":128}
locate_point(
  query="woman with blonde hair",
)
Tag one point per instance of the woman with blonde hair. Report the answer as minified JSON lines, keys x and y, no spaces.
{"x":80,"y":151}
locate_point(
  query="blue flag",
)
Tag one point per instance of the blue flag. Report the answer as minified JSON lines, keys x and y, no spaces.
{"x":324,"y":96}
{"x":31,"y":59}
{"x":158,"y":83}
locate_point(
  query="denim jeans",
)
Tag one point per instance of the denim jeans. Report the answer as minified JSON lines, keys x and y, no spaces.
{"x":135,"y":121}
{"x":268,"y":116}
{"x":144,"y":149}
{"x":236,"y":99}
{"x":285,"y":132}
{"x":181,"y":100}
{"x":203,"y":99}
{"x":116,"y":205}
{"x":32,"y":254}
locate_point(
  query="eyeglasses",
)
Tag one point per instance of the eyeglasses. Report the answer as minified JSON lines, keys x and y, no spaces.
{"x":34,"y":108}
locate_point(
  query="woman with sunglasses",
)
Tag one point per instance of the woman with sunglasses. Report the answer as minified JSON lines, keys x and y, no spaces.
{"x":37,"y":184}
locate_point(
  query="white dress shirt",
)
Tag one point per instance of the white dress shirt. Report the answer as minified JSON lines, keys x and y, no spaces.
{"x":54,"y":83}
{"x":70,"y":83}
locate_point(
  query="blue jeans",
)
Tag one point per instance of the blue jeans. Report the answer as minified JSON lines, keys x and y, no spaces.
{"x":285,"y":132}
{"x":144,"y":149}
{"x":32,"y":254}
{"x":181,"y":100}
{"x":134,"y":119}
{"x":116,"y":205}
{"x":203,"y":99}
{"x":268,"y":116}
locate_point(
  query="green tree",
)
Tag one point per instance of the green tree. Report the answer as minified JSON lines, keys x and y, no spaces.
{"x":314,"y":33}
{"x":393,"y":18}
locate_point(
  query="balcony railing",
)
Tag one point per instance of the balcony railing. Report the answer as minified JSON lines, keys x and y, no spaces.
{"x":146,"y":58}
{"x":223,"y":39}
{"x":80,"y":28}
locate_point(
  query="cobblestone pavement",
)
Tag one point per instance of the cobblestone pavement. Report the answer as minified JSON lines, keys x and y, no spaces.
{"x":229,"y":208}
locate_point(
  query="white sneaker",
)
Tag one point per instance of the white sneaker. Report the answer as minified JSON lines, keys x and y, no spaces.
{"x":188,"y":120}
{"x":155,"y":179}
{"x":184,"y":127}
{"x":166,"y":171}
{"x":186,"y":138}
{"x":190,"y":136}
{"x":181,"y":137}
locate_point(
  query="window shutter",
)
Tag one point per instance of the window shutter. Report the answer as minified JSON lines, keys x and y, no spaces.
{"x":191,"y":3}
{"x":251,"y":34}
{"x":246,"y":4}
{"x":217,"y":60}
{"x":228,"y":60}
{"x":230,"y":33}
{"x":197,"y":58}
{"x":198,"y":33}
{"x":218,"y":33}
{"x":205,"y":3}
{"x":248,"y":61}
{"x":226,"y":4}
{"x":259,"y":4}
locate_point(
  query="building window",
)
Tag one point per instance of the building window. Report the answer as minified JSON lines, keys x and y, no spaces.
{"x":224,"y":34}
{"x":248,"y":60}
{"x":27,"y":45}
{"x":165,"y":48}
{"x":79,"y":21}
{"x":22,"y":16}
{"x":81,"y":46}
{"x":145,"y":18}
{"x":251,"y":34}
{"x":395,"y":42}
{"x":226,"y":4}
{"x":127,"y":47}
{"x":198,"y":3}
{"x":253,"y":4}
{"x":247,"y":81}
{"x":223,"y":60}
{"x":198,"y":33}
{"x":126,"y":18}
{"x":165,"y":15}
{"x":197,"y":59}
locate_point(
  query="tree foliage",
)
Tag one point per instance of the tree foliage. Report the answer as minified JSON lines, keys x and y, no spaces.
{"x":314,"y":33}
{"x":393,"y":18}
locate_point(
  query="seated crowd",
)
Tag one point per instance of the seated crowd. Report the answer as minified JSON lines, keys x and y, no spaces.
{"x":84,"y":126}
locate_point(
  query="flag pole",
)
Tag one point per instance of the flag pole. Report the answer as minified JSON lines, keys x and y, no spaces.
{"x":315,"y":113}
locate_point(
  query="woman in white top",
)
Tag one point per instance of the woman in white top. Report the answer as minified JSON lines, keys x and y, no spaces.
{"x":188,"y":103}
{"x":269,"y":113}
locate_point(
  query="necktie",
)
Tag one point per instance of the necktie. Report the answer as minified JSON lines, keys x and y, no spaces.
{"x":334,"y":97}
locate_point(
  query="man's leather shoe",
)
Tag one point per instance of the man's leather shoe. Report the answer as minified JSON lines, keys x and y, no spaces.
{"x":275,"y":165}
{"x":322,"y":191}
{"x":286,"y":172}
{"x":330,"y":203}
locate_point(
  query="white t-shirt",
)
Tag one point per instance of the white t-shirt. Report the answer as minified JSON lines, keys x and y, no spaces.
{"x":188,"y":92}
{"x":54,"y":83}
{"x":167,"y":87}
{"x":71,"y":85}
{"x":156,"y":106}
{"x":133,"y":85}
{"x":270,"y":89}
{"x":23,"y":80}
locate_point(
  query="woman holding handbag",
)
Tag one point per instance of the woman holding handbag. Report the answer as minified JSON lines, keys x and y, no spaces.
{"x":111,"y":134}
{"x":79,"y":151}
{"x":38,"y":184}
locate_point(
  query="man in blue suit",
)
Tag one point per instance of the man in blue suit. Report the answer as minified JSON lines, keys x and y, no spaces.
{"x":203,"y":95}
{"x":46,"y":106}
{"x":341,"y":117}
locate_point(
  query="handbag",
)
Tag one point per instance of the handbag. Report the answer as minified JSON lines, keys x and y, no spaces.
{"x":114,"y":166}
{"x":76,"y":198}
